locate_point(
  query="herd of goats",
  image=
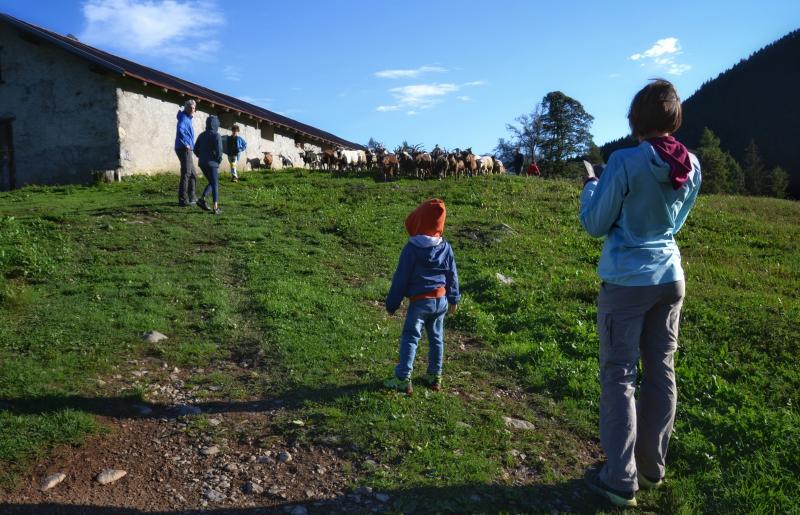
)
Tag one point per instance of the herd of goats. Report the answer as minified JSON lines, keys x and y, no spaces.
{"x":406,"y":161}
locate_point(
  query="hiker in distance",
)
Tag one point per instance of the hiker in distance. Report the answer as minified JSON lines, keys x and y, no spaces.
{"x":638,"y":204}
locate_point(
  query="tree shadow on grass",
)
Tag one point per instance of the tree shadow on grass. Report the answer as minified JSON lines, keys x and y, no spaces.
{"x":567,"y":496}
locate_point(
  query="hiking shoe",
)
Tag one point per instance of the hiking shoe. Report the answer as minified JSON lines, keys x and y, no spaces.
{"x":401,"y":385}
{"x":434,"y":381}
{"x":617,"y":497}
{"x":647,"y":483}
{"x":201,"y":203}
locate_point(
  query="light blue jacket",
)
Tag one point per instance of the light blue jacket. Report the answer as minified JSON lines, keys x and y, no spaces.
{"x":636,"y":208}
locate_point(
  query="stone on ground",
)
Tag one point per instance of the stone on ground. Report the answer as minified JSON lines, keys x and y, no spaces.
{"x":51,"y":481}
{"x":516,"y":423}
{"x":110,"y":475}
{"x":153,"y":336}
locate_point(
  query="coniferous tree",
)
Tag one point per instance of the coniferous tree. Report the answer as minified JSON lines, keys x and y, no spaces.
{"x":713,"y":163}
{"x":778,"y":182}
{"x":595,"y":154}
{"x":753,"y":169}
{"x":735,"y":176}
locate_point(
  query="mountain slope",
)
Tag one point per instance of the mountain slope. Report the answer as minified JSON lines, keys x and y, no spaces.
{"x":755,"y":99}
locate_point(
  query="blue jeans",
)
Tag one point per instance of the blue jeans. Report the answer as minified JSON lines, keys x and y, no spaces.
{"x":428,"y":313}
{"x":212,"y":176}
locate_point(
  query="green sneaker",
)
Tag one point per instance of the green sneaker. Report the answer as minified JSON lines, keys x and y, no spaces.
{"x":617,"y":497}
{"x":646,"y":483}
{"x":434,"y":381}
{"x":401,"y":385}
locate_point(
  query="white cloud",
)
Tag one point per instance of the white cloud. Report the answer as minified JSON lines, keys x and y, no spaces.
{"x":422,"y":96}
{"x":178,"y":30}
{"x":416,"y":97}
{"x":255,"y":100}
{"x":232,"y":73}
{"x":409,"y":74}
{"x":662,"y":55}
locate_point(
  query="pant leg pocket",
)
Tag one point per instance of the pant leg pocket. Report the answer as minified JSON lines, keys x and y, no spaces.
{"x":620,"y":336}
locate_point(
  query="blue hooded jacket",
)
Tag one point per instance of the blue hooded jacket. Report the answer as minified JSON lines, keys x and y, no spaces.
{"x":636,"y":208}
{"x":208,"y":148}
{"x":233,"y":145}
{"x":184,"y":133}
{"x":424,"y":267}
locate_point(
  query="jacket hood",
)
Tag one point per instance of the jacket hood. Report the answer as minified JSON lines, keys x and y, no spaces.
{"x":212,"y":123}
{"x":673,"y":155}
{"x":424,"y":241}
{"x":427,"y":219}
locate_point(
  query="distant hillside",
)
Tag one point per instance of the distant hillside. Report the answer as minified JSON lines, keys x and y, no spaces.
{"x":756,"y":99}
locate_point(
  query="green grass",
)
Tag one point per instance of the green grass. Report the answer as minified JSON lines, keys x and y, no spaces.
{"x":298,"y":267}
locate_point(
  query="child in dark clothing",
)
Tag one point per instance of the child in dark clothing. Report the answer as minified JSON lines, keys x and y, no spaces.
{"x":427,"y":275}
{"x":208,"y":150}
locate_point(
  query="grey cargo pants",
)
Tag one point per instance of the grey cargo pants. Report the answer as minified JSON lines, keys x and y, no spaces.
{"x":186,"y":186}
{"x":637,"y":322}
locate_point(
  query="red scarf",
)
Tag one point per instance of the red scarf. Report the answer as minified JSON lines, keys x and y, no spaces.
{"x":675,"y":154}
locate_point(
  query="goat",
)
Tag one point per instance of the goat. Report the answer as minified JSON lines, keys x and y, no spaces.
{"x":390,"y":166}
{"x":470,"y":164}
{"x":329,"y":159}
{"x":485,"y":165}
{"x":268,"y":160}
{"x":498,"y":167}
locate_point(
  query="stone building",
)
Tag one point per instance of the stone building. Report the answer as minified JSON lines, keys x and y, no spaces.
{"x":70,"y":112}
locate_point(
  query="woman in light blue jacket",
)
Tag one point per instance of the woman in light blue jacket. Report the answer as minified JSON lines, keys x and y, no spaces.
{"x":638,"y":204}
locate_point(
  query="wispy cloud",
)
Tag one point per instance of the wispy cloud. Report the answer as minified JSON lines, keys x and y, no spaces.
{"x":410,"y":73}
{"x":232,"y":73}
{"x":416,"y":97}
{"x":178,"y":30}
{"x":662,"y":55}
{"x":255,"y":100}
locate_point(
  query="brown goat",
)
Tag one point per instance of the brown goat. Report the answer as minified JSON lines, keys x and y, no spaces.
{"x":268,"y":160}
{"x":390,"y":166}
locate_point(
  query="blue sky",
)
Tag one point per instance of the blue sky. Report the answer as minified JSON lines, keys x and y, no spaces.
{"x":447,"y":72}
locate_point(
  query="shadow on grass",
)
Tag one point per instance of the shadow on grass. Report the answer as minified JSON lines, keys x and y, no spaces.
{"x":132,"y":406}
{"x":569,"y":496}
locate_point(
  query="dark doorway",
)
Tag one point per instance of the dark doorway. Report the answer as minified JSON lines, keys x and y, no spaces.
{"x":8,"y":176}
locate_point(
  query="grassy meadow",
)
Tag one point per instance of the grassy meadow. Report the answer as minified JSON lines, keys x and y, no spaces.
{"x":297,"y":268}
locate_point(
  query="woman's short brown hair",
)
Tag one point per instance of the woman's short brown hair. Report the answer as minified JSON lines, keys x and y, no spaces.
{"x":656,"y":108}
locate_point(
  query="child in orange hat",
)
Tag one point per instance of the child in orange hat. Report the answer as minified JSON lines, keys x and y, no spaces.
{"x":427,"y":275}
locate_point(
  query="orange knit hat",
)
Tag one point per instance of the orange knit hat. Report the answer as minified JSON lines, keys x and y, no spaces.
{"x":427,"y":218}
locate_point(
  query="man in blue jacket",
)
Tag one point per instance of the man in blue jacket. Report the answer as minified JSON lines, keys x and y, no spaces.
{"x":184,"y":144}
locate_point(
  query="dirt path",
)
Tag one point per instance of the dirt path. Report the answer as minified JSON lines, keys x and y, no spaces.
{"x":181,"y":452}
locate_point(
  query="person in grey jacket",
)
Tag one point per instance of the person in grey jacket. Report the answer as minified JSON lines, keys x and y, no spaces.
{"x":208,"y":150}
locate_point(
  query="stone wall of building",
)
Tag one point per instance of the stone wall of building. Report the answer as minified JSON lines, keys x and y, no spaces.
{"x":147,"y":120}
{"x":63,"y":114}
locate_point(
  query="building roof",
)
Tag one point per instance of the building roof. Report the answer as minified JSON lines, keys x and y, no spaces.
{"x":167,"y":82}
